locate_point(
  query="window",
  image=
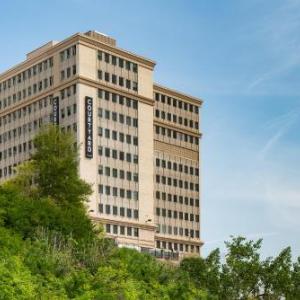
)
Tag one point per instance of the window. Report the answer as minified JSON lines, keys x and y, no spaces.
{"x":115,"y":210}
{"x":122,"y":230}
{"x":115,"y":229}
{"x":122,"y":211}
{"x":134,"y":85}
{"x":106,"y":57}
{"x":121,"y":81}
{"x":129,"y":231}
{"x":106,"y":76}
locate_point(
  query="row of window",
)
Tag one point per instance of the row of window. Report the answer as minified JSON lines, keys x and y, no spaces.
{"x":22,"y":112}
{"x":176,"y":103}
{"x":67,"y":92}
{"x":117,"y":136}
{"x":68,"y":72}
{"x":176,"y":135}
{"x":67,"y":53}
{"x":177,"y":183}
{"x":37,"y":105}
{"x":177,"y":167}
{"x":118,"y":211}
{"x":31,"y":90}
{"x":168,"y":213}
{"x":176,"y":119}
{"x":28,"y":127}
{"x":23,"y":147}
{"x":67,"y":111}
{"x":177,"y":246}
{"x":69,"y":128}
{"x":117,"y":61}
{"x":116,"y":173}
{"x":115,"y":98}
{"x":32,"y":71}
{"x":177,"y":198}
{"x":7,"y":171}
{"x":33,"y":125}
{"x":121,"y":81}
{"x":121,"y":118}
{"x":117,"y":192}
{"x":122,"y":230}
{"x":164,"y":229}
{"x":115,"y":154}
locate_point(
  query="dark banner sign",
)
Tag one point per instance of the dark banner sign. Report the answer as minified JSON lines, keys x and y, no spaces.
{"x":55,"y":108}
{"x":89,"y":127}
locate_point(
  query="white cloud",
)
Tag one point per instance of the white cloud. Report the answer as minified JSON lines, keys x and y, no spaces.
{"x":283,"y":124}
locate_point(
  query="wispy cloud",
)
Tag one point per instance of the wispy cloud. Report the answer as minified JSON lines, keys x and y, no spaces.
{"x":278,"y":33}
{"x":283,"y":124}
{"x":277,"y":71}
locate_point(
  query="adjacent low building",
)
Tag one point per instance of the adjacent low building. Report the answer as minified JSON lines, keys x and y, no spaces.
{"x":139,"y":141}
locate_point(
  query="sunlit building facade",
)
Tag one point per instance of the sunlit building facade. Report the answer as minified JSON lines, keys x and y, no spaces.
{"x":139,"y":141}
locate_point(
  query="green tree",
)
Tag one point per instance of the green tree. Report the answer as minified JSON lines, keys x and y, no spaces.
{"x":56,"y":167}
{"x":53,"y":168}
{"x":277,"y":276}
{"x":204,"y":272}
{"x":240,"y":277}
{"x":47,"y":190}
{"x":295,"y":277}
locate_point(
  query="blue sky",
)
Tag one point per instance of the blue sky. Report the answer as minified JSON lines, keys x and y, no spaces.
{"x":242,"y":58}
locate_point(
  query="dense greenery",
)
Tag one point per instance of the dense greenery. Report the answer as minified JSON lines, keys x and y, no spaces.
{"x":49,"y":249}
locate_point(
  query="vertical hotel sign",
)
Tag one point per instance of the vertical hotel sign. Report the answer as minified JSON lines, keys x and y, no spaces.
{"x":88,"y":127}
{"x":55,"y":108}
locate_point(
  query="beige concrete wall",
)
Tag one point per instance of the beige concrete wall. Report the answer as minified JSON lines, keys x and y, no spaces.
{"x":88,"y":167}
{"x":87,"y":62}
{"x":146,"y":149}
{"x":145,"y":82}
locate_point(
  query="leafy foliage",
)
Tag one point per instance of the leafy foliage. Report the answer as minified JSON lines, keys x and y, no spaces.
{"x":49,"y":248}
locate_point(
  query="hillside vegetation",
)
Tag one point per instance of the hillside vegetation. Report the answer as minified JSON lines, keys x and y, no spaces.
{"x":49,"y":248}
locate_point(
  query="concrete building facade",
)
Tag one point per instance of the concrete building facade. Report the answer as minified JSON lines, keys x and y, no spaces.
{"x":139,"y":141}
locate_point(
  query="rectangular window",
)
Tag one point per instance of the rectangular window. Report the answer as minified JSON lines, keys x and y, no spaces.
{"x":122,"y":230}
{"x":115,"y":229}
{"x":115,"y":210}
{"x":100,"y":74}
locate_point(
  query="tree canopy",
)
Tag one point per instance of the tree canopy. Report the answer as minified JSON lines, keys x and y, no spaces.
{"x":50,"y":249}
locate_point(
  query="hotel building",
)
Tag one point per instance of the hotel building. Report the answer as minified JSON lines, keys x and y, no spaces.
{"x":139,"y":140}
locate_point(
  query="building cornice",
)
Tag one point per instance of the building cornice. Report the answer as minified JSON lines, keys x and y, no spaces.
{"x":87,"y":41}
{"x":173,"y":93}
{"x":177,"y":128}
{"x":125,"y":223}
{"x":175,"y":150}
{"x":194,"y":242}
{"x":75,"y":80}
{"x":113,"y":89}
{"x":78,"y":38}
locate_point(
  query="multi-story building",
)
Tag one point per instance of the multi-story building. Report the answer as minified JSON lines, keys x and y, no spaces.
{"x":139,"y":140}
